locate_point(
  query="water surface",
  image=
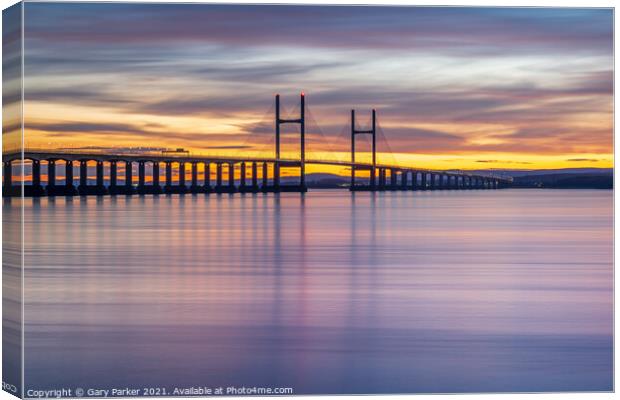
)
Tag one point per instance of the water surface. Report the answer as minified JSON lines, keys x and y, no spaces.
{"x":454,"y":291}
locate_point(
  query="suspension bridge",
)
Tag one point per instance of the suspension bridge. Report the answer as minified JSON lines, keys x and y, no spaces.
{"x":233,"y":174}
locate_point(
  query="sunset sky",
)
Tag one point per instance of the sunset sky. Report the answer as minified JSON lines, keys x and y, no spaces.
{"x":453,"y":87}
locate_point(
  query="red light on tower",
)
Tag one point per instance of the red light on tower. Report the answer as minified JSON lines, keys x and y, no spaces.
{"x":303,"y":94}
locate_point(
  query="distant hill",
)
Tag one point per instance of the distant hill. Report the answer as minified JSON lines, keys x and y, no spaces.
{"x":567,"y":178}
{"x":524,"y":172}
{"x":321,"y":181}
{"x":566,"y":181}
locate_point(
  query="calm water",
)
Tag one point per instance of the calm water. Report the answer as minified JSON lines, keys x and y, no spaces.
{"x":507,"y":290}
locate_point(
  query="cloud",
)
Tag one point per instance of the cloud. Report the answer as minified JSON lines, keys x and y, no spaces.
{"x":503,"y":162}
{"x":443,"y":80}
{"x":459,"y":30}
{"x":85,"y":127}
{"x":228,"y":147}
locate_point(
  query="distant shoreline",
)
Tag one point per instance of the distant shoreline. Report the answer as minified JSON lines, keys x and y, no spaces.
{"x":570,"y":178}
{"x":514,"y":187}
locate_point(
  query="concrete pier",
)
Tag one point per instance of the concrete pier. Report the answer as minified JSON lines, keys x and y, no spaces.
{"x":254,"y":177}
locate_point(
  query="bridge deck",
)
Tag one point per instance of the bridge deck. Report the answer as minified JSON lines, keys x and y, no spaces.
{"x":188,"y":159}
{"x":382,"y":177}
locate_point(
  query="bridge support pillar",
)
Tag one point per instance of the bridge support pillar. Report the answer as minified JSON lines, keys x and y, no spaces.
{"x":182,"y":177}
{"x":242,"y":177}
{"x":254,"y":177}
{"x":423,"y":181}
{"x":403,"y":179}
{"x":218,"y":177}
{"x":194,"y":187}
{"x":51,"y":174}
{"x":37,"y":189}
{"x":83,"y":187}
{"x":265,"y":176}
{"x":69,"y":174}
{"x":231,"y":177}
{"x":373,"y":169}
{"x":373,"y":178}
{"x":156,"y":186}
{"x":100,"y":186}
{"x":7,"y":178}
{"x":302,"y":130}
{"x":168,"y":184}
{"x":128,"y":177}
{"x":393,"y":179}
{"x":113,"y":176}
{"x":207,"y":177}
{"x":276,"y":176}
{"x":141,"y":176}
{"x":70,"y":189}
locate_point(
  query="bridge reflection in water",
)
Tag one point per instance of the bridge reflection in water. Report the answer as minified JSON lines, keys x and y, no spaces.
{"x":255,"y":175}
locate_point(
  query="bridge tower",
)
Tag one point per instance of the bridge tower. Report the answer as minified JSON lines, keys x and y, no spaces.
{"x":302,"y":129}
{"x":373,"y":132}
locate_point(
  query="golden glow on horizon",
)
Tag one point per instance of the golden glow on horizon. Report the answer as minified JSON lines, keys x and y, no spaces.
{"x":220,"y":136}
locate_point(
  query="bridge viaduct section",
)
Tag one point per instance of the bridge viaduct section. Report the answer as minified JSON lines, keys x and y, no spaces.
{"x":231,"y":176}
{"x":259,"y":175}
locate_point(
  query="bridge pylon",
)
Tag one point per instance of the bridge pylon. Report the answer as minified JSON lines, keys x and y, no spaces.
{"x":302,"y":129}
{"x":373,"y":133}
